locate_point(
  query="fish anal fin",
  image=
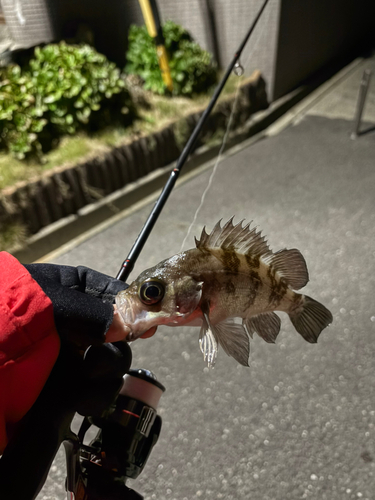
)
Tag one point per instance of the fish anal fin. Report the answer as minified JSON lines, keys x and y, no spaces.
{"x":291,"y":265}
{"x":266,"y":325}
{"x":234,"y":339}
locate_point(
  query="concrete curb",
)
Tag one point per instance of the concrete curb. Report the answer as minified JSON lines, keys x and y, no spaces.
{"x":65,"y":191}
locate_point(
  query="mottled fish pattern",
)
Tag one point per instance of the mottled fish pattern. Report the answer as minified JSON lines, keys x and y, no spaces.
{"x":229,"y":285}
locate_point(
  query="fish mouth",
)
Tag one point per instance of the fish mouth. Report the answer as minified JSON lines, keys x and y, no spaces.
{"x":130,"y":337}
{"x":136,"y":320}
{"x":127,"y":315}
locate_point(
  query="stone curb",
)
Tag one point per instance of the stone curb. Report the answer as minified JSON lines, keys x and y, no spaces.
{"x":65,"y":191}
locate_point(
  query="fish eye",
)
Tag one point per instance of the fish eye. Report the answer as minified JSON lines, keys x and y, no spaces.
{"x":151,"y":292}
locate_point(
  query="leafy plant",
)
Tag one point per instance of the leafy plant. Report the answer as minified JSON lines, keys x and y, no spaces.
{"x":192,"y":68}
{"x":74,"y":81}
{"x":64,"y":88}
{"x":20,"y":120}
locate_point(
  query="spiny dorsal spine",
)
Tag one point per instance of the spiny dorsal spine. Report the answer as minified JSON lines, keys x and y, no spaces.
{"x":235,"y":237}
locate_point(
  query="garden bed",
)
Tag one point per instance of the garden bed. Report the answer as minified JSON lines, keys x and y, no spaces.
{"x":32,"y":205}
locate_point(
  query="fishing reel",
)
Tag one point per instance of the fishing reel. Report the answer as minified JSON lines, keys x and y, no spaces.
{"x":128,"y":428}
{"x":127,"y":433}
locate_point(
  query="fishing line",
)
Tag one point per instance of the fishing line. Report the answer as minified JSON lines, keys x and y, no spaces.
{"x":238,"y":71}
{"x":139,"y":243}
{"x":213,"y":170}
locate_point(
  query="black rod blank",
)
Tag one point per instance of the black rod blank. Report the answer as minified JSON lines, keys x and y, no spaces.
{"x":128,"y":264}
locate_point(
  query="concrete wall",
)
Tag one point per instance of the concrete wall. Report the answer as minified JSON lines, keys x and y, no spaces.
{"x":107,"y":20}
{"x":293,"y":39}
{"x":27,"y":22}
{"x":220,"y":26}
{"x":313,"y":34}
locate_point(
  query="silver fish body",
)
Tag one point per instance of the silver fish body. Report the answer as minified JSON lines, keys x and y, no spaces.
{"x":230,"y":274}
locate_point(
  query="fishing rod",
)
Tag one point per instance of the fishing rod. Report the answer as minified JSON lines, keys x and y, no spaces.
{"x":128,"y":264}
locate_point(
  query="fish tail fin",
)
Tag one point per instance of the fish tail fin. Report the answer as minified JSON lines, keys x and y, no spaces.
{"x":310,"y":318}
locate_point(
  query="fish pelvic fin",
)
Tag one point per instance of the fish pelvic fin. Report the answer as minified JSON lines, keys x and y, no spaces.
{"x":291,"y":265}
{"x":207,"y":338}
{"x":208,"y":345}
{"x":309,"y":318}
{"x":266,"y":325}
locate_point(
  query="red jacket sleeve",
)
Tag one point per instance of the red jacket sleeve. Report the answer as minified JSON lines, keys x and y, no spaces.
{"x":29,"y":343}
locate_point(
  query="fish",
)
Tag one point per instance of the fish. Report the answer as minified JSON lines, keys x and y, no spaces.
{"x":229,"y":285}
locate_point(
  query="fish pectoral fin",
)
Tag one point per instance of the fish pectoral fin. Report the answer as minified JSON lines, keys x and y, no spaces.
{"x":234,"y":339}
{"x":266,"y":325}
{"x":207,"y":342}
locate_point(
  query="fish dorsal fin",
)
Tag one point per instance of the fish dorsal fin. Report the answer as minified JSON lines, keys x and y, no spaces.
{"x":291,"y":265}
{"x":235,"y":237}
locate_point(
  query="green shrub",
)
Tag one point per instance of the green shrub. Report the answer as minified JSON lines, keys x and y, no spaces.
{"x":20,"y":115}
{"x":192,"y":68}
{"x":74,"y":81}
{"x":64,"y":88}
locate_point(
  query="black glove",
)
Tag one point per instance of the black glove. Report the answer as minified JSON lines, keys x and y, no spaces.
{"x":83,"y":311}
{"x":82,"y":300}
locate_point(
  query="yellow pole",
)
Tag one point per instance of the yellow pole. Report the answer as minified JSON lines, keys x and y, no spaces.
{"x":151,"y":17}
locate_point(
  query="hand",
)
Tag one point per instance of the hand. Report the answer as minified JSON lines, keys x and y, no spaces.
{"x":85,"y":315}
{"x":83,"y":303}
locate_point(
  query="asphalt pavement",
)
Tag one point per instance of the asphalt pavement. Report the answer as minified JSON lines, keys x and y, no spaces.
{"x":299,"y":422}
